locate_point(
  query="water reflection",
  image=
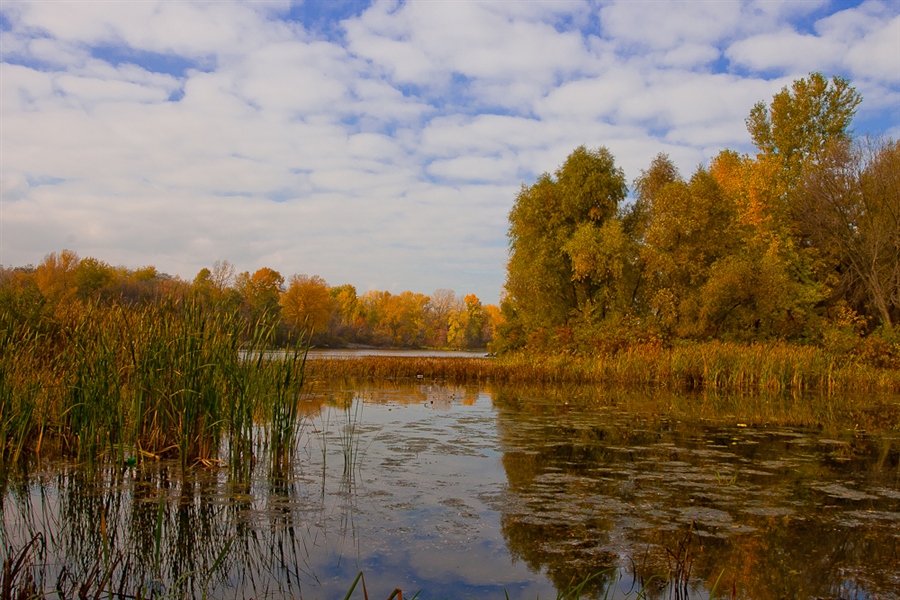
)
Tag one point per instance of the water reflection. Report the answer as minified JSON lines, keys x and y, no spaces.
{"x":777,"y":512}
{"x":476,"y":492}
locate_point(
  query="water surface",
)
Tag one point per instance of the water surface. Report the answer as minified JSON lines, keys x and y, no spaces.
{"x":481,"y":492}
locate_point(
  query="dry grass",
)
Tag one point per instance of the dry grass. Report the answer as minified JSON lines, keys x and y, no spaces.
{"x":720,"y":366}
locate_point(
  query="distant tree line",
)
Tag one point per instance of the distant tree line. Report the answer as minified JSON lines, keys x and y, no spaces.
{"x":302,"y":305}
{"x":798,"y":242}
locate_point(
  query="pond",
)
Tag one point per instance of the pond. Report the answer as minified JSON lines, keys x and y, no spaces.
{"x":482,"y":492}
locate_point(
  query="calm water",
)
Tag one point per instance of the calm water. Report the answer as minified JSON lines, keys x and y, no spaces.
{"x":477,"y":493}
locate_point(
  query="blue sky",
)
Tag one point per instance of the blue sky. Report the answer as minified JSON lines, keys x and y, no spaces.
{"x":380,"y":144}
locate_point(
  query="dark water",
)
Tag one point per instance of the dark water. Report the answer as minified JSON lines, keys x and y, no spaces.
{"x":479,"y":493}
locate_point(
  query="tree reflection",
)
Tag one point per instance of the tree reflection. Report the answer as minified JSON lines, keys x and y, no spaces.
{"x":585,"y":484}
{"x":777,"y":513}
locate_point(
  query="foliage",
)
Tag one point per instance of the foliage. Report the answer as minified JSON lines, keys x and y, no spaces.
{"x":750,"y":248}
{"x":307,"y":304}
{"x":306,"y":307}
{"x":850,"y":211}
{"x":260,"y":294}
{"x":560,"y":243}
{"x":803,"y":121}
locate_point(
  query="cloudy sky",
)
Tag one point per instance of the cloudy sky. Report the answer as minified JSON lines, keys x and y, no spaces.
{"x":380,"y":144}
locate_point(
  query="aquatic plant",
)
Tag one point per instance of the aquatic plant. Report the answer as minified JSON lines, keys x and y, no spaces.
{"x":720,"y":366}
{"x":171,"y":377}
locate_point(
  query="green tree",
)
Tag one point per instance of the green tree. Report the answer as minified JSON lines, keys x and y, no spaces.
{"x":543,"y":289}
{"x":599,"y":256}
{"x":93,"y":276}
{"x":803,"y":121}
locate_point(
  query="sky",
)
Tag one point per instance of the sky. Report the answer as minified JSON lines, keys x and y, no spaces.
{"x":380,"y":144}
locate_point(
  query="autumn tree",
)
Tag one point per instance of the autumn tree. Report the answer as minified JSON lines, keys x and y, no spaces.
{"x":690,"y":226}
{"x":307,"y":304}
{"x":561,"y":241}
{"x":55,"y":276}
{"x":441,"y":305}
{"x":215,"y":285}
{"x":801,"y":122}
{"x":347,"y":318}
{"x":395,"y":319}
{"x":493,"y":320}
{"x":792,"y":136}
{"x":466,"y":324}
{"x":260,"y":294}
{"x":851,"y":209}
{"x":202,"y":285}
{"x":222,"y":275}
{"x":20,"y":299}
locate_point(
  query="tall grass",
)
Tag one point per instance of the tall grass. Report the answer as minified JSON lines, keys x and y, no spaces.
{"x":720,"y":366}
{"x":169,"y":378}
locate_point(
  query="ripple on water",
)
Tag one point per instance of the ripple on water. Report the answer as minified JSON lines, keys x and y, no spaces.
{"x":706,"y":516}
{"x":769,"y":511}
{"x":836,"y":490}
{"x":887,"y":493}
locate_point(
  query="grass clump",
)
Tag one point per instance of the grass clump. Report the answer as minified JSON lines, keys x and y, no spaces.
{"x":166,"y":378}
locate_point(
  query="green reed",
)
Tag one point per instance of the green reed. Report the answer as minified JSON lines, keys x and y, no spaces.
{"x":349,"y":438}
{"x":173,"y":377}
{"x":285,"y":375}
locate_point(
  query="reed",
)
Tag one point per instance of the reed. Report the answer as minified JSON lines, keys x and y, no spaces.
{"x":349,"y":439}
{"x":285,"y":376}
{"x":168,"y":378}
{"x":719,"y":366}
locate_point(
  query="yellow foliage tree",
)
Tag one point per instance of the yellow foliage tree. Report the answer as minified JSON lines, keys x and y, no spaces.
{"x":306,"y":304}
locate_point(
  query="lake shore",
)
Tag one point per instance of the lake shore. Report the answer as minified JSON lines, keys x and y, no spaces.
{"x":721,"y":366}
{"x":758,"y":385}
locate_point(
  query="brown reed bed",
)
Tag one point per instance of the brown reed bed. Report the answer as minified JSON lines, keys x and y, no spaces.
{"x":720,"y":366}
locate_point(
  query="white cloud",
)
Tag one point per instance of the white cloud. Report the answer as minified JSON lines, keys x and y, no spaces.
{"x":476,"y":168}
{"x":668,"y":25}
{"x":786,"y":50}
{"x":92,"y":90}
{"x":192,"y":29}
{"x":388,"y":155}
{"x":425,"y":43}
{"x":877,"y":54}
{"x":860,"y":42}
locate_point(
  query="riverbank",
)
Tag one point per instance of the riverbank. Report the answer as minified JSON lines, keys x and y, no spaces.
{"x":772,"y":385}
{"x":719,"y":366}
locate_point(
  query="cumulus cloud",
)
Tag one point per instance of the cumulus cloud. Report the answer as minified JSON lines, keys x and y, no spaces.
{"x":388,"y":152}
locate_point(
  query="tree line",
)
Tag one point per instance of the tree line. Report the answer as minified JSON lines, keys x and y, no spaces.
{"x":799,"y":241}
{"x":301,"y":306}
